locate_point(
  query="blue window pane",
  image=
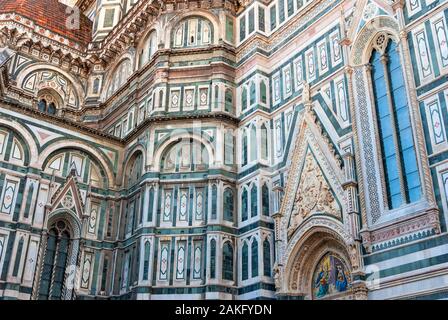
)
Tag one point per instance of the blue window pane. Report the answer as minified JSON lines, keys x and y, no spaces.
{"x":413,"y":180}
{"x":415,"y":194}
{"x":382,"y":106}
{"x":386,"y":126}
{"x":388,"y":147}
{"x":406,"y":139}
{"x":394,"y":187}
{"x":409,"y":160}
{"x":396,"y":79}
{"x":391,"y":168}
{"x":402,"y":116}
{"x":395,"y":201}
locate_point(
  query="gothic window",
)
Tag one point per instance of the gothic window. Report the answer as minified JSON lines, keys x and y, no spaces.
{"x":29,"y":199}
{"x":398,"y":155}
{"x":104,"y":274}
{"x":244,"y":206}
{"x":267,"y":258}
{"x":186,"y":155}
{"x":216,"y":96}
{"x":119,"y":77}
{"x":15,"y":271}
{"x":253,"y":93}
{"x":261,"y":18}
{"x":227,"y":261}
{"x":146,"y":260}
{"x":96,"y":86}
{"x":264,"y":142}
{"x":148,"y":49}
{"x":244,"y":149}
{"x":228,"y":146}
{"x":265,"y":200}
{"x":273,"y":16}
{"x":254,"y":258}
{"x":253,"y":143}
{"x":251,"y":20}
{"x":193,"y":32}
{"x":245,"y":262}
{"x":214,"y":201}
{"x":213,"y":259}
{"x":228,"y":101}
{"x":263,"y":92}
{"x":290,"y":7}
{"x":134,"y":169}
{"x":47,"y":103}
{"x":42,"y":105}
{"x":254,"y":201}
{"x":51,"y":285}
{"x":244,"y":99}
{"x":228,"y":205}
{"x":161,"y":99}
{"x":242,"y":28}
{"x":281,"y":11}
{"x":151,"y":204}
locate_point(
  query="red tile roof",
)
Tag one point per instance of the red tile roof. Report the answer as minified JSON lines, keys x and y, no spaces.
{"x":52,"y":15}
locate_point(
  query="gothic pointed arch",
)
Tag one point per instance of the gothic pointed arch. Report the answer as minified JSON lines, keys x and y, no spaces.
{"x":313,"y":207}
{"x":393,"y":172}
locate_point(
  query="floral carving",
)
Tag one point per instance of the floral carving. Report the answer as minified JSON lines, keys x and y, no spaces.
{"x":313,"y":195}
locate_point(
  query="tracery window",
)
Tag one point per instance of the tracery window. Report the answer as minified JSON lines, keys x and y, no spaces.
{"x":134,"y":169}
{"x":395,"y":132}
{"x":47,"y":103}
{"x":193,"y":32}
{"x":227,"y":261}
{"x":187,"y":155}
{"x":149,"y":48}
{"x":51,"y":285}
{"x":119,"y":77}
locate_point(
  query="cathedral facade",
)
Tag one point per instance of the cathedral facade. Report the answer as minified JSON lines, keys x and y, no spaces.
{"x":223,"y":149}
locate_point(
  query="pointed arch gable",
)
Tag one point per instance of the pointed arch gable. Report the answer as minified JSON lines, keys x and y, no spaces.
{"x":69,"y":189}
{"x":362,"y":44}
{"x":309,"y":142}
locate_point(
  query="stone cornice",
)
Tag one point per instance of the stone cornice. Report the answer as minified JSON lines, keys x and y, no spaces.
{"x":60,"y":122}
{"x":36,"y":33}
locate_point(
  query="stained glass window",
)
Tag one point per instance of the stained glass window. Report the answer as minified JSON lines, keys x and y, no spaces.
{"x":394,"y":126}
